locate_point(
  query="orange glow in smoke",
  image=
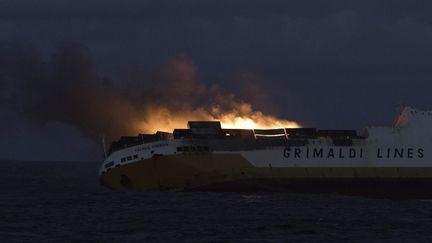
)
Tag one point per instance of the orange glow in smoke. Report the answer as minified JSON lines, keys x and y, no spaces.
{"x":242,"y":117}
{"x":254,"y":122}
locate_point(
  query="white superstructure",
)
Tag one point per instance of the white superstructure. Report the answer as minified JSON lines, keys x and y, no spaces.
{"x":408,"y":143}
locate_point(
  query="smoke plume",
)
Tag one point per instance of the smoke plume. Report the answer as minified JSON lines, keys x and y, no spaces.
{"x":68,"y":89}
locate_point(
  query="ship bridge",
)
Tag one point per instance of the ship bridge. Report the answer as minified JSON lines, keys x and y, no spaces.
{"x":410,"y":117}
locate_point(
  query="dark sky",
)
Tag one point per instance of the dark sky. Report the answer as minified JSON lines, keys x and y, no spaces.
{"x":331,"y":64}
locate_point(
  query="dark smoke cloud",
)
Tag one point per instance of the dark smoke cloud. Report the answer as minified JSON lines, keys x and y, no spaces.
{"x":251,"y":88}
{"x":66,"y":88}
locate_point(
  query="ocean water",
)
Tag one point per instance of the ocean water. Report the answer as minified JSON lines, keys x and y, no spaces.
{"x":63,"y":202}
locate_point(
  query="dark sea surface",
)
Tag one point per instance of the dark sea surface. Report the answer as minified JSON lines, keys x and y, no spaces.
{"x":63,"y":201}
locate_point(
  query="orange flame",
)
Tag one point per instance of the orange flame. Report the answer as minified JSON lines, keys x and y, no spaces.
{"x":242,"y":117}
{"x":255,"y":121}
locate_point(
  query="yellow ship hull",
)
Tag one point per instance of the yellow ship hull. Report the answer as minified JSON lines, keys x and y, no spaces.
{"x":232,"y":172}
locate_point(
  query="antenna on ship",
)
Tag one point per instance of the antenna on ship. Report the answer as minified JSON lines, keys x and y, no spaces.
{"x":104,"y":147}
{"x":396,"y":120}
{"x":401,"y":107}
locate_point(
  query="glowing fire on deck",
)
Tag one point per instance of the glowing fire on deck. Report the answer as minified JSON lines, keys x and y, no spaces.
{"x":263,"y":122}
{"x":242,"y":117}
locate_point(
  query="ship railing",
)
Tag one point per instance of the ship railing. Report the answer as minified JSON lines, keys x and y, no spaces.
{"x":270,"y":133}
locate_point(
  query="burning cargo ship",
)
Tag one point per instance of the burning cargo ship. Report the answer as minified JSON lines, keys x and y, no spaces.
{"x":377,"y":160}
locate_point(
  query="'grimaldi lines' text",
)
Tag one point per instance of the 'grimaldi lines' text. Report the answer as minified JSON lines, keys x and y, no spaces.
{"x":353,"y":153}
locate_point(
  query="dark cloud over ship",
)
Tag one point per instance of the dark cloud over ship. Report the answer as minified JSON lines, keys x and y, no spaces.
{"x":339,"y":64}
{"x":67,"y":89}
